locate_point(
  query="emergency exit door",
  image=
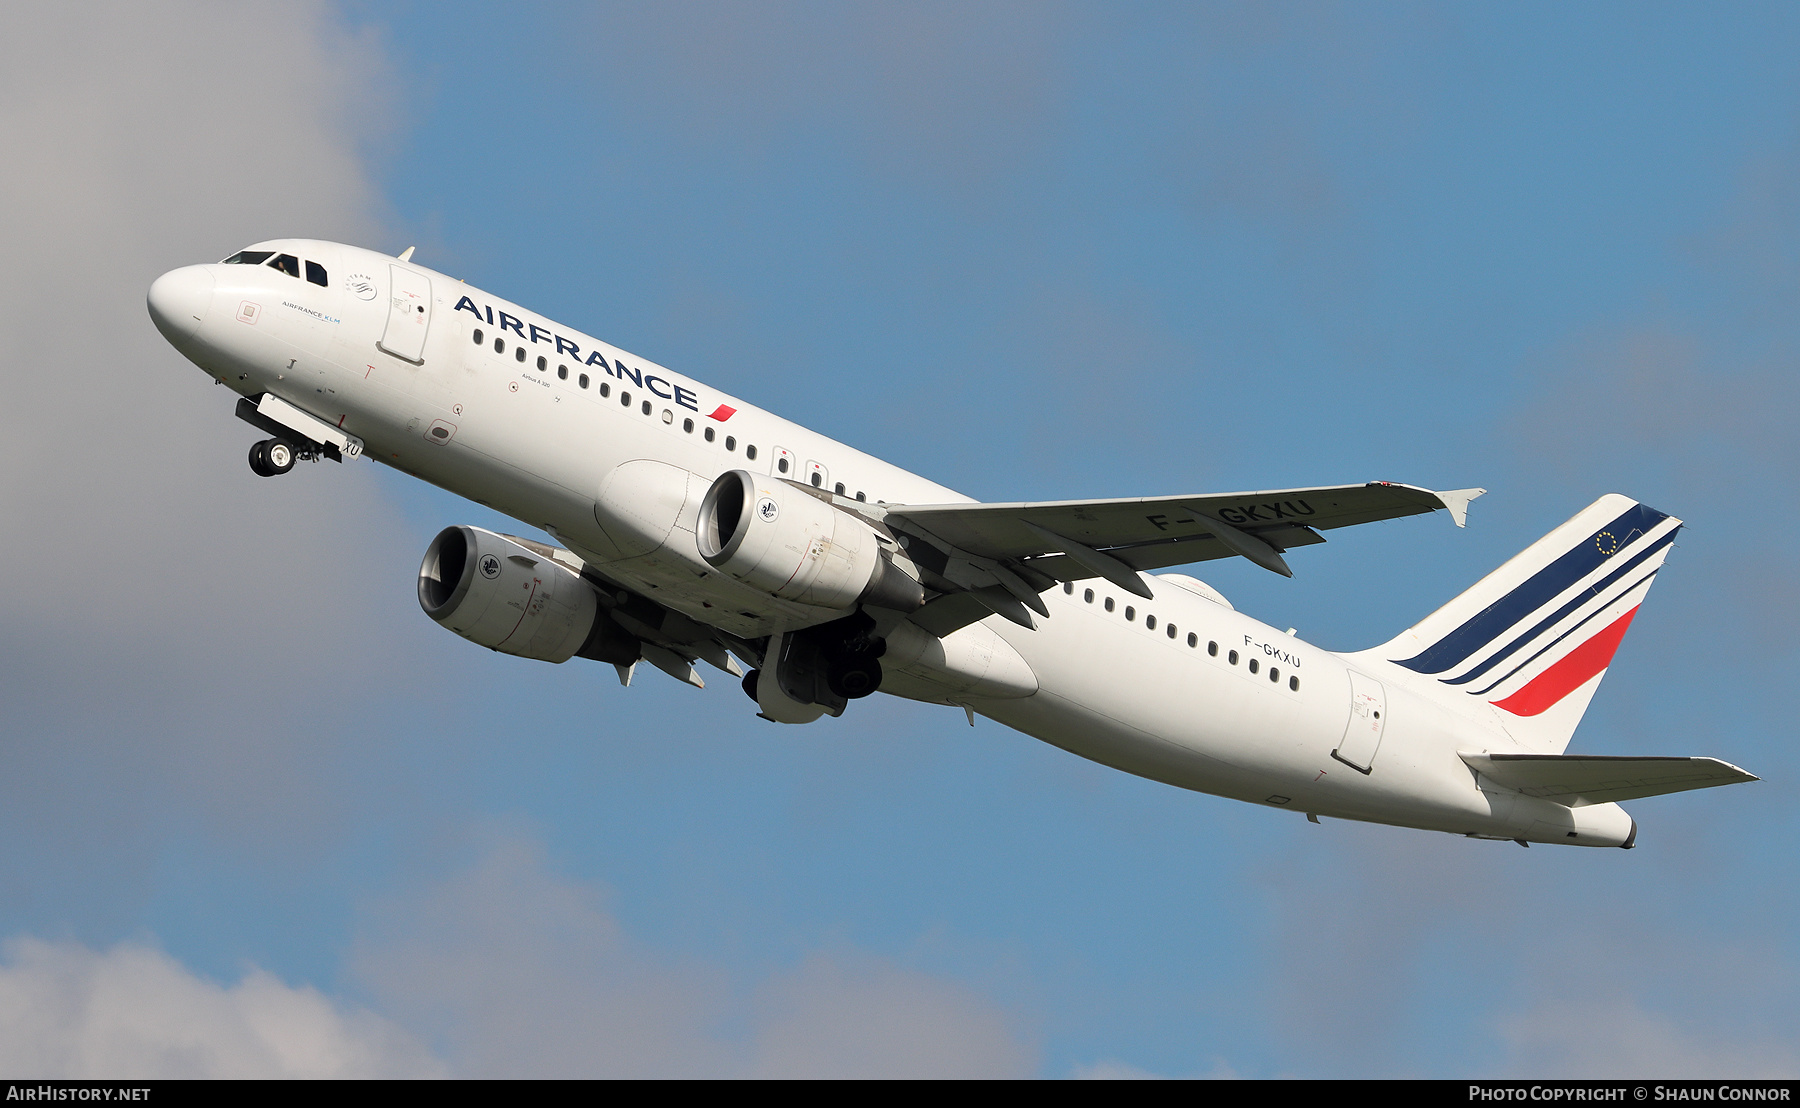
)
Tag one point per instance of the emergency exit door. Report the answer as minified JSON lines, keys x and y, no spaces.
{"x":1362,"y":734}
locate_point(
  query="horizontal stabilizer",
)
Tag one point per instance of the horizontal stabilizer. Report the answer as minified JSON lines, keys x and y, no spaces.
{"x":1578,"y":779}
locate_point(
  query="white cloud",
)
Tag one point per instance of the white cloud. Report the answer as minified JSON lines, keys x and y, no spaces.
{"x":132,"y":1012}
{"x":519,"y":973}
{"x":1112,"y":1069}
{"x":516,"y":971}
{"x":502,"y":970}
{"x":857,"y":1016}
{"x":1558,"y":964}
{"x":1598,"y":1038}
{"x":171,"y":618}
{"x":140,"y":138}
{"x":1641,"y":1001}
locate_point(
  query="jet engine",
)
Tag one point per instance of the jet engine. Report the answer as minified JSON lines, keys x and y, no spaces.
{"x":511,"y":598}
{"x":781,"y":539}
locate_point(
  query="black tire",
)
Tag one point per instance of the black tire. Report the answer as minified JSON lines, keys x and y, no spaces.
{"x":854,"y":678}
{"x":280,"y":454}
{"x":259,"y":460}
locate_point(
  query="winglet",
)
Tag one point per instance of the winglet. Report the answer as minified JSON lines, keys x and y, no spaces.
{"x":406,"y":255}
{"x":1457,"y":500}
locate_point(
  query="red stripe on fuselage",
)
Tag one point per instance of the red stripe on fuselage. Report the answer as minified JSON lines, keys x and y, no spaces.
{"x":1572,"y":672}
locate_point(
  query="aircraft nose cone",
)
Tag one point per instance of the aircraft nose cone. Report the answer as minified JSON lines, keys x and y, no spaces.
{"x":179,"y":300}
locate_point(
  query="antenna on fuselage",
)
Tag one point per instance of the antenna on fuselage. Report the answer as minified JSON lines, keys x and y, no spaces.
{"x":406,"y":255}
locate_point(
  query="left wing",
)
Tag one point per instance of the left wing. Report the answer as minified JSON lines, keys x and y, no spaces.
{"x":998,"y":557}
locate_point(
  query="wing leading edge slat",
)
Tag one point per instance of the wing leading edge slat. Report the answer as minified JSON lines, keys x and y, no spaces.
{"x":1155,"y":532}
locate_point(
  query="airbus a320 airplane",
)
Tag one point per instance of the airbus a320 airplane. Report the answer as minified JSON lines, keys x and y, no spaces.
{"x":695,"y":527}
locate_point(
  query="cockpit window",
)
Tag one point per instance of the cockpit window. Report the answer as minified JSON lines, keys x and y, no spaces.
{"x":248,"y":257}
{"x":316,"y":274}
{"x":287,"y":263}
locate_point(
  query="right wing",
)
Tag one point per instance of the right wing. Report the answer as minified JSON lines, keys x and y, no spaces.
{"x":998,"y":557}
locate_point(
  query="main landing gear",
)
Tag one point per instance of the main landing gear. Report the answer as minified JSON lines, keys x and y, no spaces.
{"x":273,"y":457}
{"x":853,"y":671}
{"x":829,"y":664}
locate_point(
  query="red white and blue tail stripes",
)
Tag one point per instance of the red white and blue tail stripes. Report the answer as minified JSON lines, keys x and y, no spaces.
{"x":1533,"y":637}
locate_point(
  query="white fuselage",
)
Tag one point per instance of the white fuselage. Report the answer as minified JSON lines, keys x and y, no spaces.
{"x":1112,"y":683}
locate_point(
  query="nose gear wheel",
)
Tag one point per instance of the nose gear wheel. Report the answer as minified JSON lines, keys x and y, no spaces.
{"x":272,"y":457}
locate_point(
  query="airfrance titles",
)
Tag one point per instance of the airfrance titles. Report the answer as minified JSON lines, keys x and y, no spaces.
{"x":304,"y":310}
{"x":567,"y":347}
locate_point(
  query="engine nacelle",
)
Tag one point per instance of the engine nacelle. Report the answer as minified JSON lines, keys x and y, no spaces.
{"x":795,"y":546}
{"x":507,"y":597}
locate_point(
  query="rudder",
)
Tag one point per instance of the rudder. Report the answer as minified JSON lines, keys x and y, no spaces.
{"x":1534,"y":637}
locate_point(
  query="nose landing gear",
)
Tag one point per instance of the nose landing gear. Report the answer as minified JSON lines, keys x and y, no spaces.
{"x":272,"y":457}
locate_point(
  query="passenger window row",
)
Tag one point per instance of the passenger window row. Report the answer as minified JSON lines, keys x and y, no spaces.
{"x":286,"y":263}
{"x":1193,"y":640}
{"x":644,"y":406}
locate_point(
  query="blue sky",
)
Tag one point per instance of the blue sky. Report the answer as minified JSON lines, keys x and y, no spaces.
{"x":251,"y":797}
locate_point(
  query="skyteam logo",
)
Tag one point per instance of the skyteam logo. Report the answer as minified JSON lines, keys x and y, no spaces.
{"x":767,"y":509}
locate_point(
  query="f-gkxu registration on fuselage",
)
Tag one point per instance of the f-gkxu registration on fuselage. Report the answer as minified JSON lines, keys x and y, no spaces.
{"x":691,"y":526}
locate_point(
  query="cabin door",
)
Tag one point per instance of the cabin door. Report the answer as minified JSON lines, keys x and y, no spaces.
{"x":409,"y":315}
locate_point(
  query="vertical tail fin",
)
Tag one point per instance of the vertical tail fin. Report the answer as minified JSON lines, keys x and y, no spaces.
{"x":1534,"y":637}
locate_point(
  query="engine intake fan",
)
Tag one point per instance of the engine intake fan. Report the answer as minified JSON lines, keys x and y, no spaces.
{"x":507,"y":597}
